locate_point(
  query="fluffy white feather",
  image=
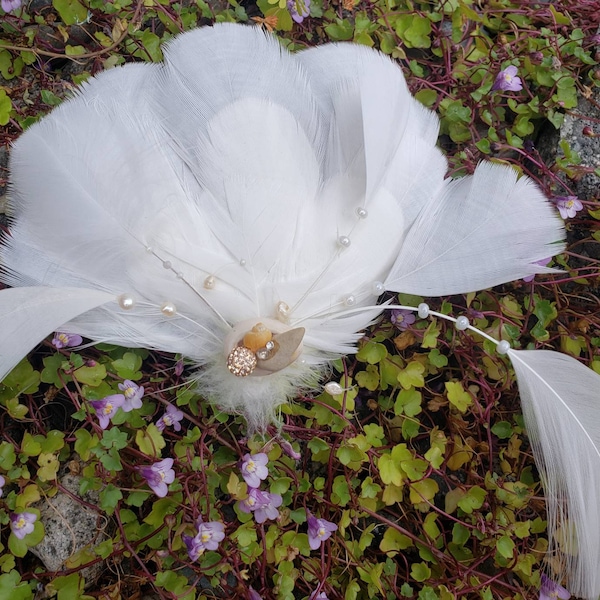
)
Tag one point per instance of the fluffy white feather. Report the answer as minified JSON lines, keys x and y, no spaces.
{"x":561,"y":406}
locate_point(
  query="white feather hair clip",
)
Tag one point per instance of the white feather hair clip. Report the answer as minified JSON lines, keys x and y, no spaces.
{"x":247,"y":209}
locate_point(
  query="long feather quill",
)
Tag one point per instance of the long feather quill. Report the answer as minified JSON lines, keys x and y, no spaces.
{"x":561,"y":407}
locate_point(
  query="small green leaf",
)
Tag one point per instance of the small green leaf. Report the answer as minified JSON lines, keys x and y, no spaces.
{"x":472,"y":500}
{"x":372,"y":353}
{"x":71,"y":11}
{"x":505,"y":546}
{"x":420,"y":571}
{"x":5,"y":107}
{"x":458,"y":396}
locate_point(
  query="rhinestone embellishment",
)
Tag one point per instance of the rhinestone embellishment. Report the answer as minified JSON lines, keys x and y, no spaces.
{"x":241,"y":361}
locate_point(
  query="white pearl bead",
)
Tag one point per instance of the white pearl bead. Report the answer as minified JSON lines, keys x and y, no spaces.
{"x":126,"y":301}
{"x":462,"y":323}
{"x":362,"y":213}
{"x":209,"y":282}
{"x":242,"y":262}
{"x":149,"y":249}
{"x":349,"y":300}
{"x":333,"y":388}
{"x":179,"y":275}
{"x":378,"y":288}
{"x":167,"y":264}
{"x":168,"y":309}
{"x":423,"y":310}
{"x":344,"y":241}
{"x":502,"y":347}
{"x":282,"y":310}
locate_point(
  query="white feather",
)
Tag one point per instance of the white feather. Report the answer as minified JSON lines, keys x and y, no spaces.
{"x":561,"y":406}
{"x":28,"y":315}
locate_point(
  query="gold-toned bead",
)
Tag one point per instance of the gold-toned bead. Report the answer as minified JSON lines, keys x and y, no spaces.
{"x":257,"y":337}
{"x":241,"y":361}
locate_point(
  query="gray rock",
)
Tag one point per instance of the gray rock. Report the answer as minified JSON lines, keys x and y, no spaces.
{"x":70,"y":525}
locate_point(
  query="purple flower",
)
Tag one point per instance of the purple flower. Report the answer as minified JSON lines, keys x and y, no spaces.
{"x":254,"y":595}
{"x":268,"y":507}
{"x":299,"y":9}
{"x":318,"y":530}
{"x":263,"y":504}
{"x":568,"y":206}
{"x":107,"y":407}
{"x":65,"y":340}
{"x":8,"y":5}
{"x":22,"y":523}
{"x":551,"y":591}
{"x":208,"y":536}
{"x":158,"y":476}
{"x":133,"y":395}
{"x":507,"y":80}
{"x":289,"y":449}
{"x":402,"y":318}
{"x":254,"y":468}
{"x":2,"y":482}
{"x":172,"y":417}
{"x":319,"y":596}
{"x":179,"y":368}
{"x":541,"y":263}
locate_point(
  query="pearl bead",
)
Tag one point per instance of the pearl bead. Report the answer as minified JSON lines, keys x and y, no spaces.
{"x":282,"y":310}
{"x":209,"y":282}
{"x":423,"y":310}
{"x":242,"y":262}
{"x":502,"y":347}
{"x":378,"y":288}
{"x":168,"y":309}
{"x":167,"y":264}
{"x":349,"y":300}
{"x":333,"y":388}
{"x":179,"y":275}
{"x":362,"y":213}
{"x":149,"y":249}
{"x":126,"y":302}
{"x":462,"y":323}
{"x":344,"y":241}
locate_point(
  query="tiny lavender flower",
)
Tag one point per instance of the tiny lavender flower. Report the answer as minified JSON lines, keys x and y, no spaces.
{"x":172,"y":417}
{"x":507,"y":80}
{"x":107,"y":407}
{"x":254,"y":468}
{"x":158,"y":476}
{"x":22,"y":523}
{"x":133,"y":394}
{"x":267,"y":509}
{"x":551,"y":591}
{"x":402,"y":318}
{"x":319,"y":530}
{"x":254,"y":595}
{"x":319,"y":596}
{"x":299,"y":9}
{"x":65,"y":340}
{"x":568,"y":206}
{"x":264,"y":505}
{"x":2,"y":482}
{"x":542,"y":263}
{"x":210,"y":534}
{"x":289,"y":449}
{"x":8,"y":5}
{"x":207,"y":537}
{"x":194,"y":547}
